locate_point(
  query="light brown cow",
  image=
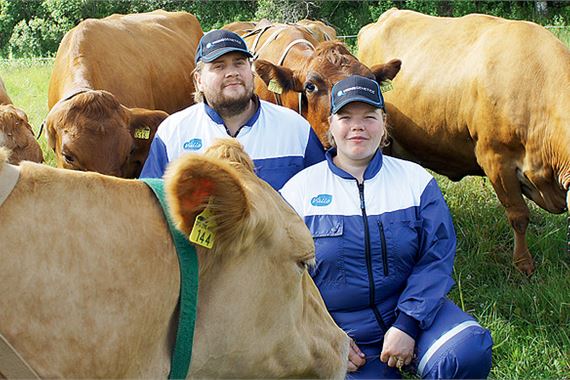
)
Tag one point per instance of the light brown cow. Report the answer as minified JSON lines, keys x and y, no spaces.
{"x":93,"y":293}
{"x":109,"y":77}
{"x":480,"y":95}
{"x":240,"y":27}
{"x":16,"y":133}
{"x":291,"y":61}
{"x":321,"y":31}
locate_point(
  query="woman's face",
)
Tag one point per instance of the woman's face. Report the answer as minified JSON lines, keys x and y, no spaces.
{"x":357,"y":130}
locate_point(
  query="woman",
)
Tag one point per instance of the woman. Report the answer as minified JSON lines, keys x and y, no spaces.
{"x":385,"y":246}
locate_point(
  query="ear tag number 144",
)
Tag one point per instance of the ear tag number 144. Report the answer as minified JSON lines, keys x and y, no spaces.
{"x":202,"y":233}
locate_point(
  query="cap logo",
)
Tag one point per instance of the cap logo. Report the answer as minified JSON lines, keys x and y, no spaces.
{"x":222,"y":40}
{"x":340,"y":93}
{"x":360,"y":88}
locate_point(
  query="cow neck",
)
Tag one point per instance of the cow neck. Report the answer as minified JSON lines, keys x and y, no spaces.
{"x":188,"y":299}
{"x":8,"y":179}
{"x":12,"y":365}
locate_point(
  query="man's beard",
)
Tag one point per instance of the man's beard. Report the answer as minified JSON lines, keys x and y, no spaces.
{"x":227,"y":107}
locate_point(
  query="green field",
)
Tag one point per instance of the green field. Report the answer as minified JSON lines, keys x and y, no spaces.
{"x":529,"y":318}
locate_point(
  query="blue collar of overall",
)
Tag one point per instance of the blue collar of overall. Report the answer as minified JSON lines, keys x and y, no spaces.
{"x":372,"y":169}
{"x":216,"y":118}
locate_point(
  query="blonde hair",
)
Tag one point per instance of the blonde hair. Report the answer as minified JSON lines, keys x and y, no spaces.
{"x":198,"y":95}
{"x":384,"y":141}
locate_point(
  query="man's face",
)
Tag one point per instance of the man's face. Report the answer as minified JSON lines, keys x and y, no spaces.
{"x":227,"y":83}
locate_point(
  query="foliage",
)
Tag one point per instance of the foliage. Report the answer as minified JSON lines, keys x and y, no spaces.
{"x":35,"y":27}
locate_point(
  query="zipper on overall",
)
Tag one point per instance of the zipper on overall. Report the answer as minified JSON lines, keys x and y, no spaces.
{"x":368,"y":254}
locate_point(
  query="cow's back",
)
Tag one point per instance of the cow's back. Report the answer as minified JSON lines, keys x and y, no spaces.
{"x":145,"y":60}
{"x":103,"y":272}
{"x":459,"y":72}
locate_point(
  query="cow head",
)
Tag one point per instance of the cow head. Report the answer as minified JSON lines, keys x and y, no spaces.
{"x":92,"y":131}
{"x":16,"y":134}
{"x":330,"y":63}
{"x":259,"y":312}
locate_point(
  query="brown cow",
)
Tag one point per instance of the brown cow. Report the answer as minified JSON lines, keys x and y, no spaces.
{"x":94,"y":292}
{"x":321,"y":31}
{"x":291,"y":61}
{"x":16,"y":133}
{"x":240,"y":27}
{"x":109,"y":77}
{"x":480,"y":95}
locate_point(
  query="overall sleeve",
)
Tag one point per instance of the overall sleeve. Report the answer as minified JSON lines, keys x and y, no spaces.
{"x":431,"y":279}
{"x":156,"y":161}
{"x":314,"y":152}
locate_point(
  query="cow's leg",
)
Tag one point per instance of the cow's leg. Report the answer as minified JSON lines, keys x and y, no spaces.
{"x":501,"y":172}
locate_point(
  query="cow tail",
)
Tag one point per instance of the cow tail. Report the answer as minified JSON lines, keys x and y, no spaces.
{"x":568,"y":221}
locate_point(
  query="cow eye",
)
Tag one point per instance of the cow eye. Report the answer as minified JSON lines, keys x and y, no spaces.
{"x":310,"y":87}
{"x":306,"y":263}
{"x":68,"y":158}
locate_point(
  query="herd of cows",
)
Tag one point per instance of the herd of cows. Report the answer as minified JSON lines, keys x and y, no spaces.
{"x":476,"y":95}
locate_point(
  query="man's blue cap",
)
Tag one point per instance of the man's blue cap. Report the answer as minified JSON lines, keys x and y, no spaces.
{"x":356,"y":88}
{"x":216,"y":43}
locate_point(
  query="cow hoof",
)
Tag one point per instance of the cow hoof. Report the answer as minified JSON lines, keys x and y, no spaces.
{"x":525,"y":266}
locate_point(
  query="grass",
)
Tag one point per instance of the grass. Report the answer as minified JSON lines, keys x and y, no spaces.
{"x":529,"y":318}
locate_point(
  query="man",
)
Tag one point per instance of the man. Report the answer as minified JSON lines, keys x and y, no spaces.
{"x":280,"y":142}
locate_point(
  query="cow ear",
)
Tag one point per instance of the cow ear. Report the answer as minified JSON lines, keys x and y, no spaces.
{"x":143,"y":125}
{"x":284,"y":76}
{"x":387,"y":70}
{"x":50,"y":133}
{"x":194,"y":182}
{"x":21,"y":114}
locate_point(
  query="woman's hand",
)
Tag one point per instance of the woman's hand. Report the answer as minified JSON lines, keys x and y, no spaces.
{"x":398,"y":348}
{"x":355,"y":357}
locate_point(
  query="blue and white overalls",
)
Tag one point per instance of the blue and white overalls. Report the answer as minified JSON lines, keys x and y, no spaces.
{"x":384,"y":257}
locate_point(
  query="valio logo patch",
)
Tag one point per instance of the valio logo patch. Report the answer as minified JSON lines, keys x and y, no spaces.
{"x":194,"y":144}
{"x":322,"y":200}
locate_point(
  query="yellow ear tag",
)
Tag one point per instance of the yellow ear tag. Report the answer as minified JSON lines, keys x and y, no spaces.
{"x":142,"y":133}
{"x":275,"y":87}
{"x":386,"y":86}
{"x":202,"y":233}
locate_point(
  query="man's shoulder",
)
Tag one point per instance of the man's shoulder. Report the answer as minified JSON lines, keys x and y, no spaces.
{"x":197,"y":108}
{"x":177,"y":118}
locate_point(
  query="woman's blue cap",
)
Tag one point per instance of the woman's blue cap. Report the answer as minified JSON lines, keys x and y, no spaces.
{"x":356,"y":88}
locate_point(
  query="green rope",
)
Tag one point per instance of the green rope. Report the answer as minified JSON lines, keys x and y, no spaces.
{"x":182,"y":352}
